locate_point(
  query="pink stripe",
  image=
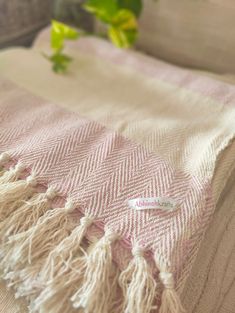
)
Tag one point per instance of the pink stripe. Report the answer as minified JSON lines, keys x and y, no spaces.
{"x":183,"y":78}
{"x":101,"y":170}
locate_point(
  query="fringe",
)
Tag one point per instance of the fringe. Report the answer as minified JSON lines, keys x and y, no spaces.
{"x":61,"y":257}
{"x":42,"y":257}
{"x":170,"y":301}
{"x":138,"y":284}
{"x":4,"y":158}
{"x":116,"y":300}
{"x":57,"y":293}
{"x":12,"y":174}
{"x":13,"y":193}
{"x":63,"y":272}
{"x":55,"y":298}
{"x":96,"y":286}
{"x":27,"y":214}
{"x":31,"y":248}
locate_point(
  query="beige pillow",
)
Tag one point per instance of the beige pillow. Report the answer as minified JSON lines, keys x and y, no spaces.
{"x":192,"y":33}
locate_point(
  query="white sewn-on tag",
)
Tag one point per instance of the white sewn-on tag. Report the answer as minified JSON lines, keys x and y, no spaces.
{"x":161,"y":203}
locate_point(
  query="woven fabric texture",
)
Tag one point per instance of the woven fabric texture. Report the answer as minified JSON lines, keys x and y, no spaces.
{"x":142,"y":133}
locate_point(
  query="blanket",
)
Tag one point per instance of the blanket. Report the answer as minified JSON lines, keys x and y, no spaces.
{"x":211,"y":285}
{"x":175,"y":153}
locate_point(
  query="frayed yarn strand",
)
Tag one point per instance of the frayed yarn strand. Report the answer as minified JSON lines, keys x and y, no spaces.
{"x":60,"y":259}
{"x":27,"y":214}
{"x":94,"y":294}
{"x":170,"y":301}
{"x":138,"y":284}
{"x":34,"y":245}
{"x":63,"y":272}
{"x":4,"y":158}
{"x":12,"y":194}
{"x":55,"y":297}
{"x":12,"y":174}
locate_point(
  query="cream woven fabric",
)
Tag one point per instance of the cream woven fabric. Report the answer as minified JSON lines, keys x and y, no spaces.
{"x":152,"y":126}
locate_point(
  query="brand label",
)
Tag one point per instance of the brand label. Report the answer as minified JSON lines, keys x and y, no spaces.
{"x":160,"y":203}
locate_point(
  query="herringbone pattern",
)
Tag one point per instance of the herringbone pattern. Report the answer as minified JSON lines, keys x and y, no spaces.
{"x":101,"y":170}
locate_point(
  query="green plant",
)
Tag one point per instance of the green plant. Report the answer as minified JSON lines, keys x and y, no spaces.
{"x":59,"y":33}
{"x":119,"y":16}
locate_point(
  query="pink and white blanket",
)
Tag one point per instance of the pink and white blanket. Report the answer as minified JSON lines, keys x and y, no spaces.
{"x":104,"y":209}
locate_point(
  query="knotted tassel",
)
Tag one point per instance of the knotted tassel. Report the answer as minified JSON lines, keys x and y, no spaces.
{"x":170,"y":301}
{"x":55,"y":297}
{"x":4,"y":158}
{"x":58,"y":303}
{"x":23,"y":218}
{"x":27,"y":214}
{"x":33,"y":246}
{"x":116,"y":300}
{"x":12,"y":194}
{"x":96,"y":287}
{"x":60,"y":259}
{"x":11,"y":175}
{"x":62,"y":272}
{"x":138,"y":284}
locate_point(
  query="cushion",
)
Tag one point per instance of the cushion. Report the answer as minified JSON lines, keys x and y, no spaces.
{"x":197,"y":34}
{"x":21,"y":20}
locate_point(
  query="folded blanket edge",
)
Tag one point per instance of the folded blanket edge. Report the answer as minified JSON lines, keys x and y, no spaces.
{"x":34,"y":265}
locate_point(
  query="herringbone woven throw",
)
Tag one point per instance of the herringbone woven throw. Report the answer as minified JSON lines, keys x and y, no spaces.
{"x":94,"y":219}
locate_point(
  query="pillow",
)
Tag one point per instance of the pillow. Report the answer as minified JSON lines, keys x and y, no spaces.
{"x":21,"y":20}
{"x":197,"y":34}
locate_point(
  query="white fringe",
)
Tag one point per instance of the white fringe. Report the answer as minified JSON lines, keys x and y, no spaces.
{"x":32,"y":247}
{"x":138,"y":284}
{"x":63,"y":271}
{"x":170,"y":301}
{"x":116,"y":299}
{"x":96,"y":286}
{"x":4,"y":158}
{"x":27,"y":214}
{"x":61,"y":288}
{"x":12,"y":174}
{"x":61,"y":257}
{"x":13,"y":193}
{"x":42,"y":257}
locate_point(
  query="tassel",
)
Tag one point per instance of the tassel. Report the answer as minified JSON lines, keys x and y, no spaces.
{"x":61,"y":257}
{"x":12,"y":174}
{"x":27,"y":214}
{"x":33,"y":246}
{"x":38,"y":240}
{"x":138,"y":284}
{"x":60,"y":289}
{"x":62,"y":272}
{"x":116,"y":300}
{"x":170,"y":301}
{"x":96,"y":287}
{"x":4,"y":158}
{"x":59,"y":303}
{"x":13,"y":193}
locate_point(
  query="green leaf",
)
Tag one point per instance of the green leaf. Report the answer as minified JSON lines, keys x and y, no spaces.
{"x":60,"y":62}
{"x":133,"y":5}
{"x":121,"y":38}
{"x":123,"y":30}
{"x":60,"y":32}
{"x":102,"y":9}
{"x":125,"y":20}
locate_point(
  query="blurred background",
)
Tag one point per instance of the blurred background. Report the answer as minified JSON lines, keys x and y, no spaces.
{"x":20,"y":20}
{"x":197,"y":34}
